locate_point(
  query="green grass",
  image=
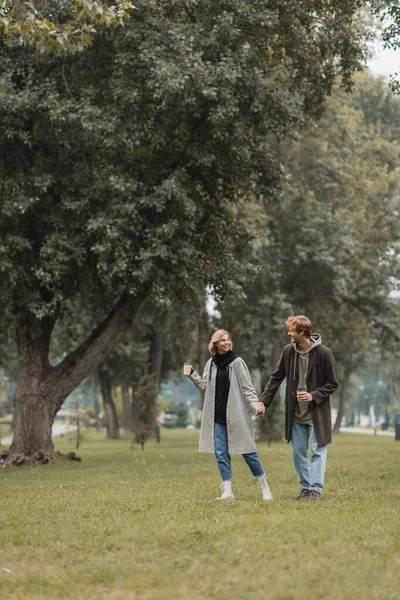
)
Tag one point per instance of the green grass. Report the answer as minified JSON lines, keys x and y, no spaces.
{"x":132,"y":525}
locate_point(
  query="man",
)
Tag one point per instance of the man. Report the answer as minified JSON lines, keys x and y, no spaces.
{"x":311,"y":378}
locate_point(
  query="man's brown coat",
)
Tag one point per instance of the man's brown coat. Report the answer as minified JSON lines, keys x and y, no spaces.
{"x":322,"y":381}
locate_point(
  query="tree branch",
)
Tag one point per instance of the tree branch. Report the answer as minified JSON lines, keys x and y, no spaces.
{"x":99,"y":344}
{"x":377,"y":320}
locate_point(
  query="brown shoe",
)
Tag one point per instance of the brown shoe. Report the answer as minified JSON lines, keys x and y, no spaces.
{"x":303,"y":494}
{"x":314,"y":495}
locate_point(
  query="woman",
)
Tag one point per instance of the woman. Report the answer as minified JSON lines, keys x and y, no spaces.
{"x":226,"y":426}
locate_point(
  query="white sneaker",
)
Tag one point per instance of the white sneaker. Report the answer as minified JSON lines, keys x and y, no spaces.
{"x":266,"y":492}
{"x":227,"y":494}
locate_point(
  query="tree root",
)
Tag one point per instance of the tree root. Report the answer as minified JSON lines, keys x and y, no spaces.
{"x":73,"y":456}
{"x":12,"y":459}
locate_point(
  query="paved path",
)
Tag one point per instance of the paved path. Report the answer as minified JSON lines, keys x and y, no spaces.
{"x":369,"y":431}
{"x":58,"y":429}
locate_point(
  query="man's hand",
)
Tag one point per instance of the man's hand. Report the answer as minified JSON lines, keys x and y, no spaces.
{"x":259,"y":408}
{"x":304,"y":396}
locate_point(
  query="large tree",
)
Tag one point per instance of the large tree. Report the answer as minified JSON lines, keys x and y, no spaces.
{"x":122,"y":168}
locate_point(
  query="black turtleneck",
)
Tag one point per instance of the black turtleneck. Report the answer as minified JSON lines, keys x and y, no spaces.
{"x":222,"y":362}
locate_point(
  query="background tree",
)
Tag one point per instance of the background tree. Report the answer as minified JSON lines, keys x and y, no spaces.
{"x":349,"y":336}
{"x":143,"y":407}
{"x":112,"y":422}
{"x":329,"y":248}
{"x":270,"y":427}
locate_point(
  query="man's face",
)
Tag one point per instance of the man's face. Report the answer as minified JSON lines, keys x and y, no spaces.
{"x":296,"y":336}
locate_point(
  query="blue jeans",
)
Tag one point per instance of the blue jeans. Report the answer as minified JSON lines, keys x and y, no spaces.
{"x":311,"y":476}
{"x":223,"y":457}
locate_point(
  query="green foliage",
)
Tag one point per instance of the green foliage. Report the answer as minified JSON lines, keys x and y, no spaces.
{"x":330,"y":247}
{"x":32,"y":22}
{"x":125,"y":169}
{"x":344,"y":187}
{"x":389,"y":14}
{"x":120,"y":522}
{"x":143,"y":408}
{"x":162,"y":123}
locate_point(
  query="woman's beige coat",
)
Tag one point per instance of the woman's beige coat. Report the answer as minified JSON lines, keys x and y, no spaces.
{"x":242,"y":395}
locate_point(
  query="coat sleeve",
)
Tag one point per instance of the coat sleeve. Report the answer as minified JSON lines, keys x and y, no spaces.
{"x":331,"y":379}
{"x":201,"y":382}
{"x":274,"y":381}
{"x":247,"y":386}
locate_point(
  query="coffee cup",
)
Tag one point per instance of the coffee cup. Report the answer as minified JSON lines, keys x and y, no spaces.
{"x":187,"y":368}
{"x":300,"y":390}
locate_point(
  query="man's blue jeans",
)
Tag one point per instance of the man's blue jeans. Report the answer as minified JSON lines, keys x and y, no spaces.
{"x":311,"y":476}
{"x":223,"y":457}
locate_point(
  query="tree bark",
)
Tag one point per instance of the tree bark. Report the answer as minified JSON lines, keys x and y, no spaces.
{"x":96,"y":405}
{"x":109,"y":406}
{"x":127,"y":410}
{"x":271,"y":425}
{"x":156,"y":362}
{"x":35,"y":407}
{"x":157,"y":355}
{"x":42,"y":388}
{"x":342,"y":401}
{"x":202,"y":341}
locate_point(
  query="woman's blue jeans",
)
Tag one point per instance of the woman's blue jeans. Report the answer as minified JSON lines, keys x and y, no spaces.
{"x":223,"y":457}
{"x":311,"y":476}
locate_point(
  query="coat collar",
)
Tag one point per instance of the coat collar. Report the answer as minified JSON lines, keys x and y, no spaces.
{"x":311,"y":360}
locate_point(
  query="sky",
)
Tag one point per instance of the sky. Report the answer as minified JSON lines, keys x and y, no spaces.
{"x":385,"y":61}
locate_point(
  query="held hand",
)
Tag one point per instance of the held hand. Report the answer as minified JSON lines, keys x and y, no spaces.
{"x":259,"y":408}
{"x":304,"y":396}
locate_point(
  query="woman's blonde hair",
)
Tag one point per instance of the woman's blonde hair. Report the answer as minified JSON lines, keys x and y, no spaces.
{"x":216,"y":337}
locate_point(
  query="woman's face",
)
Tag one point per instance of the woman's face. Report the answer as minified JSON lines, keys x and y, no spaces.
{"x":224,"y":344}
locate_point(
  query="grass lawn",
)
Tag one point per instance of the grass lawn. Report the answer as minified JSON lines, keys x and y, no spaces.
{"x":132,"y":525}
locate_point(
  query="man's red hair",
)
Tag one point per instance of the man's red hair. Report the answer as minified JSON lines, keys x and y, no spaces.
{"x":300,"y":324}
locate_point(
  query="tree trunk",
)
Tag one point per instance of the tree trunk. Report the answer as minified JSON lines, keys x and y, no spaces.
{"x":78,"y":427}
{"x":35,"y":405}
{"x":156,"y":361}
{"x":342,"y":401}
{"x":157,"y":355}
{"x":127,"y":410}
{"x":96,"y":405}
{"x":32,"y":443}
{"x":271,"y":426}
{"x":42,"y":389}
{"x":202,"y":342}
{"x":109,"y":406}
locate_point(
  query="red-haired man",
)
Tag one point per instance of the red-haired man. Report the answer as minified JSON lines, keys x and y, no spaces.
{"x":311,"y":378}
